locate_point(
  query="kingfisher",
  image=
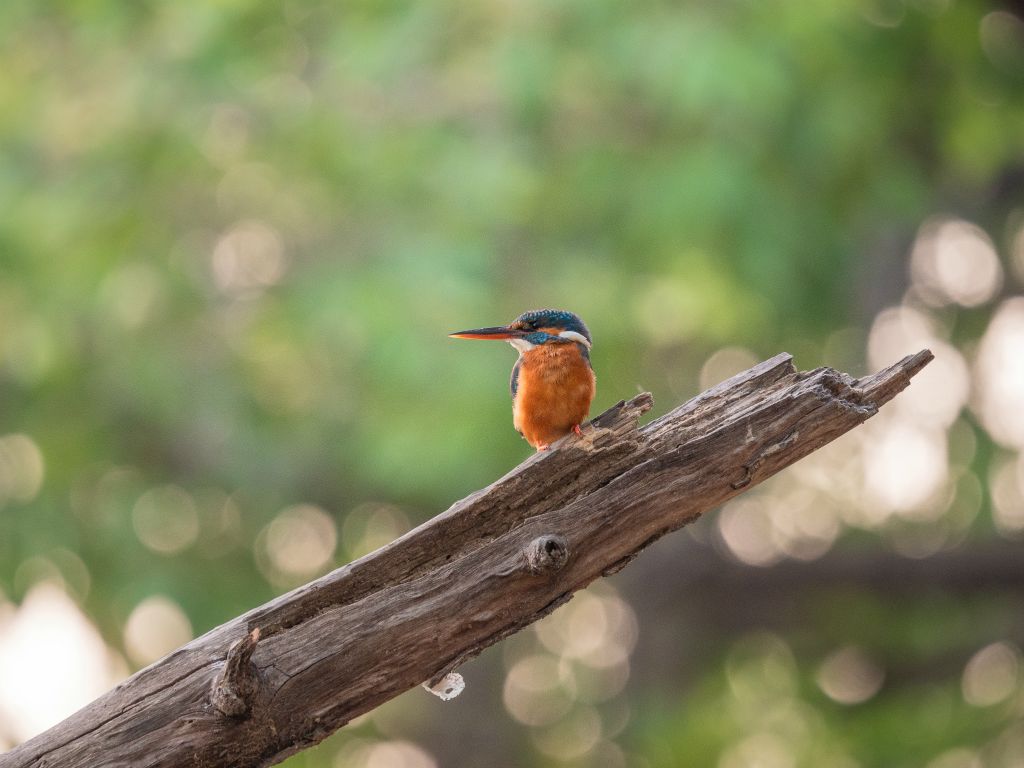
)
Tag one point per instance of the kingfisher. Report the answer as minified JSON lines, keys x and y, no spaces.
{"x":552,"y":381}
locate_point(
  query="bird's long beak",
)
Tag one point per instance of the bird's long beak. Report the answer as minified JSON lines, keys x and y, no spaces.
{"x":500,"y":333}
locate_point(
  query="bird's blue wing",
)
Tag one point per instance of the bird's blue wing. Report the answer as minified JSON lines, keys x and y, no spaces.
{"x":513,"y":383}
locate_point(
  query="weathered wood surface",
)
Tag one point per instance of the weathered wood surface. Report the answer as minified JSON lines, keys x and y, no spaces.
{"x":492,"y":564}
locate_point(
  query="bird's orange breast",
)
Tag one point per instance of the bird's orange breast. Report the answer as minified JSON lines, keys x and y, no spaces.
{"x":554,"y":389}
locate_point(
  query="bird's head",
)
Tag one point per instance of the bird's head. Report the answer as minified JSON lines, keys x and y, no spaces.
{"x":533,"y":328}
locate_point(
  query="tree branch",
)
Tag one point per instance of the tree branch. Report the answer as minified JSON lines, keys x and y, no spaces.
{"x":492,"y":564}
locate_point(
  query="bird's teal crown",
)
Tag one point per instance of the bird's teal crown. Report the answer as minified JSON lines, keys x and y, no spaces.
{"x":549,"y":318}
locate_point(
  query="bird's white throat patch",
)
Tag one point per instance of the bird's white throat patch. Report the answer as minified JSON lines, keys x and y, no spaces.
{"x":575,"y":337}
{"x":521,"y":345}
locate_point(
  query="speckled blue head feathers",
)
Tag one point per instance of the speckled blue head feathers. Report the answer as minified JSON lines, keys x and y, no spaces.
{"x":561,"y":319}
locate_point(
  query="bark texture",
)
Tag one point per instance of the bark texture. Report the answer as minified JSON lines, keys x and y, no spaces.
{"x":285,"y":675}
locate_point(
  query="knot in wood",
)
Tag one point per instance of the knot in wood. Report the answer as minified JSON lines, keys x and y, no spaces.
{"x":547,"y":553}
{"x":234,"y":689}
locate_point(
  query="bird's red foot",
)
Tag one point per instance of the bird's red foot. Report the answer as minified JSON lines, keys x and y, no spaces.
{"x":577,"y":430}
{"x":543,"y":447}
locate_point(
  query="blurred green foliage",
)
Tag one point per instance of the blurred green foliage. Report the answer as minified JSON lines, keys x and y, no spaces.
{"x":235,"y":234}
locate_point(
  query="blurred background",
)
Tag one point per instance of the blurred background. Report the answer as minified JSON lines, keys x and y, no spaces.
{"x":234,"y":235}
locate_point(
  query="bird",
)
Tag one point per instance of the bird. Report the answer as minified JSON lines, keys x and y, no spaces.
{"x":552,"y":382}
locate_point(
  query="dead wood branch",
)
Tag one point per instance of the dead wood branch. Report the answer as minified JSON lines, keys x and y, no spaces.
{"x":285,"y":675}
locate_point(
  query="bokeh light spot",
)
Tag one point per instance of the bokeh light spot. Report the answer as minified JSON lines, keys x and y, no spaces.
{"x":52,"y":662}
{"x":131,"y":293}
{"x":801,"y":527}
{"x":155,"y":627}
{"x":21,"y":468}
{"x":724,"y":363}
{"x":1006,"y":485}
{"x":227,"y":134}
{"x":370,"y":526}
{"x":572,"y":738}
{"x":761,"y":668}
{"x":991,"y":675}
{"x":166,"y":520}
{"x":597,"y":628}
{"x":897,"y":332}
{"x":999,"y":375}
{"x":906,"y":464}
{"x":759,"y":750}
{"x":1017,"y":254}
{"x":745,"y":526}
{"x":848,"y":676}
{"x":1002,"y":40}
{"x":362,"y":753}
{"x":297,"y":544}
{"x":248,"y":258}
{"x":954,"y":261}
{"x":539,"y":690}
